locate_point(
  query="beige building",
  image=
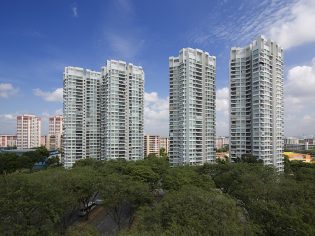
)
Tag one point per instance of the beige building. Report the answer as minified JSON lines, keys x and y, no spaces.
{"x":7,"y":141}
{"x":164,"y":143}
{"x":28,"y":131}
{"x":43,"y":140}
{"x":153,"y":144}
{"x":221,"y":142}
{"x":55,"y":132}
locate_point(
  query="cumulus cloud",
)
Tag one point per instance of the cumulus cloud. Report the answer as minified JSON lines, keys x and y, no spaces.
{"x":296,"y":26}
{"x":54,"y":96}
{"x":300,"y":100}
{"x":155,"y":114}
{"x":7,"y":90}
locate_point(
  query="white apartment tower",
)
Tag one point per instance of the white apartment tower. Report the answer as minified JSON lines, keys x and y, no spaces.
{"x":192,"y":108}
{"x":256,"y":102}
{"x":122,"y":91}
{"x":81,"y":115}
{"x":28,"y":131}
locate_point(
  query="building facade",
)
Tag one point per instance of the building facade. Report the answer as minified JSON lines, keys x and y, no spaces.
{"x":28,"y":131}
{"x":81,"y":115}
{"x":164,"y":143}
{"x":192,"y":108}
{"x":55,"y":132}
{"x":221,"y":142}
{"x":256,"y":102}
{"x":122,"y":91}
{"x":7,"y":141}
{"x":151,"y":145}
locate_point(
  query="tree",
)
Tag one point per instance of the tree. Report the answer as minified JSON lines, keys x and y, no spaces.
{"x":192,"y":211}
{"x":178,"y":177}
{"x":32,"y":204}
{"x":122,"y":196}
{"x":249,"y":158}
{"x":82,"y":182}
{"x":163,"y":153}
{"x":152,"y":155}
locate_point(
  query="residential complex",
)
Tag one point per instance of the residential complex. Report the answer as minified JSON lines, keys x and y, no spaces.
{"x":103,"y":113}
{"x":154,"y":143}
{"x":28,"y":131}
{"x":55,"y":132}
{"x":7,"y":141}
{"x":256,"y":102}
{"x":81,"y":115}
{"x":122,"y":91}
{"x":192,"y":108}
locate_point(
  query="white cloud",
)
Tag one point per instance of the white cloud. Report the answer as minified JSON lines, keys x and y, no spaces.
{"x":300,"y":100}
{"x":290,"y":23}
{"x":75,"y":11}
{"x":155,"y":114}
{"x":7,"y":90}
{"x":222,"y":111}
{"x":222,"y":101}
{"x":296,"y":26}
{"x":126,"y":5}
{"x":54,"y":96}
{"x":125,"y":46}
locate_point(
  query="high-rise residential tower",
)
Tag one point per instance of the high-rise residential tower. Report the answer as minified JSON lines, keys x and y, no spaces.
{"x":192,"y":108}
{"x":28,"y":131}
{"x":256,"y":102}
{"x":122,"y":91}
{"x":81,"y":115}
{"x":55,"y":132}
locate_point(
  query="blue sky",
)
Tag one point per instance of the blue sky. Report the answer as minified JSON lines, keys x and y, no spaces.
{"x":39,"y":38}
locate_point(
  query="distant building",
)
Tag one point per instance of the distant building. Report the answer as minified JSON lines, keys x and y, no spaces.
{"x":192,"y":108}
{"x":164,"y":143}
{"x":7,"y":141}
{"x":299,"y":157}
{"x":55,"y":132}
{"x":256,"y":102}
{"x":299,"y":144}
{"x":28,"y":131}
{"x":43,"y":140}
{"x":291,"y":140}
{"x":151,"y":145}
{"x":221,"y":142}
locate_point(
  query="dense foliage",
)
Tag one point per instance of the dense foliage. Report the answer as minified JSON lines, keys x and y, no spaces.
{"x":150,"y":198}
